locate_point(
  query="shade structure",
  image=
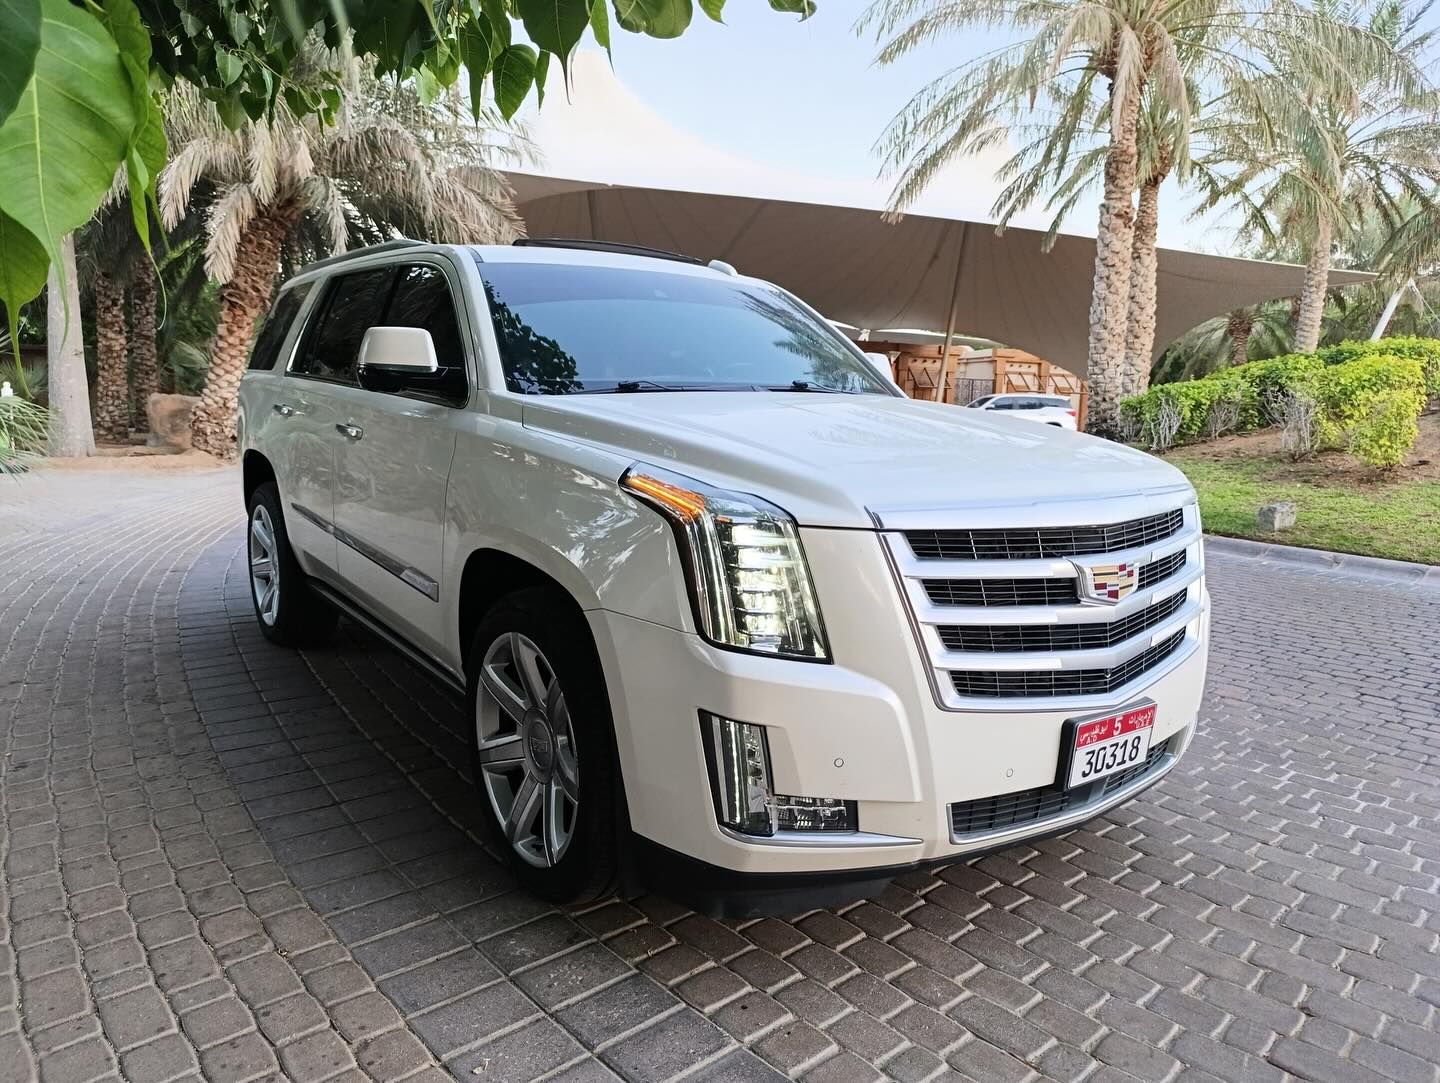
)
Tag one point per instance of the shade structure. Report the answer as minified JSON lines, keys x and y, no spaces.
{"x":857,"y":267}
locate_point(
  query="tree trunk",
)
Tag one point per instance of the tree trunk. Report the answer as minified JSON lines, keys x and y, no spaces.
{"x":144,"y":367}
{"x":1238,"y":327}
{"x":1110,"y":297}
{"x":1317,"y":282}
{"x":1140,"y":329}
{"x":242,"y":302}
{"x":112,"y":406}
{"x":69,"y":391}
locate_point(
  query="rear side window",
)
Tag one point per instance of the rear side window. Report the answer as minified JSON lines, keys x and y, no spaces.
{"x":354,"y":303}
{"x":276,"y":326}
{"x":1063,"y":404}
{"x":422,"y":299}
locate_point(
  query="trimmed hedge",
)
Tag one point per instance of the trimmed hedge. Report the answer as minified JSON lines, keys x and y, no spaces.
{"x":1347,"y":381}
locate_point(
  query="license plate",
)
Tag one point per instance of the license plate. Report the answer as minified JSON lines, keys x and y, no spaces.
{"x":1103,"y":746}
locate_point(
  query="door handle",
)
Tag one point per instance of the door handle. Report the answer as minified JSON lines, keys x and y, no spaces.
{"x":350,"y":432}
{"x":284,"y":409}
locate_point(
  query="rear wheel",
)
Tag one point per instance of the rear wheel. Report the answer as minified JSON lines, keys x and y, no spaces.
{"x":288,"y":610}
{"x":543,"y":746}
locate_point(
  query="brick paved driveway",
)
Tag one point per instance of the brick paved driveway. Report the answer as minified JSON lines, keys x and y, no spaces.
{"x":227,"y":861}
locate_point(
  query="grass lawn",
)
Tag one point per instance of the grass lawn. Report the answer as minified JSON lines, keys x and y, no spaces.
{"x":1336,"y":508}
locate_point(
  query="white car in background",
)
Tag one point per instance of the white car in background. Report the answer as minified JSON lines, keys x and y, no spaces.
{"x":1047,"y":409}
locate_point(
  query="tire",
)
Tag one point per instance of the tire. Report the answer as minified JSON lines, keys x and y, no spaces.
{"x":288,"y":611}
{"x":544,"y":765}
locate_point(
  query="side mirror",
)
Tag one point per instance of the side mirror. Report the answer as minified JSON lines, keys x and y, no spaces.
{"x":401,"y":351}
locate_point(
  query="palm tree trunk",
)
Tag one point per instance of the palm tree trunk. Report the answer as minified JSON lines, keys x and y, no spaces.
{"x":1140,"y":327}
{"x":68,"y":389}
{"x":112,"y":408}
{"x":1317,"y":282}
{"x":1238,"y":327}
{"x":144,"y":367}
{"x":242,"y":301}
{"x":1110,"y":296}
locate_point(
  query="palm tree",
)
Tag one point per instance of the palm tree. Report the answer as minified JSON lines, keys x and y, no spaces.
{"x":111,"y":258}
{"x":389,"y":163}
{"x":1083,"y":58}
{"x":1308,"y":153}
{"x":1086,"y":59}
{"x":1232,"y":338}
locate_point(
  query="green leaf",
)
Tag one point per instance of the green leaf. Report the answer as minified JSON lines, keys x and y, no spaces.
{"x":802,"y":8}
{"x":600,"y":23}
{"x":23,"y":267}
{"x":230,"y":66}
{"x":143,"y":162}
{"x":479,"y":44}
{"x":542,"y":68}
{"x":19,"y":45}
{"x":713,"y":8}
{"x":555,"y":25}
{"x":514,"y":75}
{"x":658,"y":18}
{"x":239,"y":27}
{"x":69,"y":131}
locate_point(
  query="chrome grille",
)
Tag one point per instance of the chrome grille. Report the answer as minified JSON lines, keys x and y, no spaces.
{"x":988,"y":814}
{"x":1000,"y":684}
{"x":1157,"y":571}
{"x":1016,"y":616}
{"x":1056,"y":637}
{"x":1043,"y":542}
{"x":1004,"y":592}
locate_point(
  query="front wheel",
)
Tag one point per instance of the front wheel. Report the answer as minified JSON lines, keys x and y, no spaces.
{"x":288,"y":610}
{"x":543,"y":746}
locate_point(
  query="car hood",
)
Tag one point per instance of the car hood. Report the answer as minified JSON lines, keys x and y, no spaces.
{"x":842,"y":460}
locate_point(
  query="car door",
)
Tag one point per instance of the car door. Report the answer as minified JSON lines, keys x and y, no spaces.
{"x":307,"y":408}
{"x":394,"y":466}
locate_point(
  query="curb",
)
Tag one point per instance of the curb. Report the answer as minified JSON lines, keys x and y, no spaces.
{"x":1393,"y":571}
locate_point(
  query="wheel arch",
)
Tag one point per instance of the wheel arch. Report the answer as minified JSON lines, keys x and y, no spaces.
{"x":255,"y":472}
{"x":490,"y":574}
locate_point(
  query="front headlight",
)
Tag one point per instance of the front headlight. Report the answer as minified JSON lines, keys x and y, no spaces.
{"x":747,"y":571}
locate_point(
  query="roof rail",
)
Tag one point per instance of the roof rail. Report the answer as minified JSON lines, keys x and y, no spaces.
{"x":604,"y":246}
{"x":368,"y":250}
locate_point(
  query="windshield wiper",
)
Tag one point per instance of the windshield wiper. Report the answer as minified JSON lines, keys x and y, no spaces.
{"x":805,"y":385}
{"x":630,"y":387}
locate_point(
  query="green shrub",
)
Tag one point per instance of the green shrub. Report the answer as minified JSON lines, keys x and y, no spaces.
{"x":1424,"y":350}
{"x":1347,"y":392}
{"x":1387,"y":432}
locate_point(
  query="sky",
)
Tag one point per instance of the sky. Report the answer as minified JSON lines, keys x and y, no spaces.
{"x":770,"y":105}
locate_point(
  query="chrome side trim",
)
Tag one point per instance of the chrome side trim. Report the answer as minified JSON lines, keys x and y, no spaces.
{"x":313,"y":517}
{"x":411,"y":577}
{"x":1004,"y":836}
{"x":819,"y":840}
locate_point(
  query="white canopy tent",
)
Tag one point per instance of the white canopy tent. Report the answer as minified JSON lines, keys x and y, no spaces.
{"x":857,"y":268}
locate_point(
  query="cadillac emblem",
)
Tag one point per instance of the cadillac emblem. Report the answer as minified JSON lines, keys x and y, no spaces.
{"x":1106,"y":584}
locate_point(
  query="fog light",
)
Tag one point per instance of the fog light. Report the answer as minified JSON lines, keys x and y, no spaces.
{"x":739,"y":758}
{"x":814,"y":814}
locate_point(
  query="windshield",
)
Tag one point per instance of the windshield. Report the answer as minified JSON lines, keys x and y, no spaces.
{"x":572,"y":330}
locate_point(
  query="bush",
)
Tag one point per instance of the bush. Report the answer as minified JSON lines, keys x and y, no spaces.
{"x":1387,"y":432}
{"x":1424,"y":350}
{"x":1342,"y":378}
{"x":1347,"y":391}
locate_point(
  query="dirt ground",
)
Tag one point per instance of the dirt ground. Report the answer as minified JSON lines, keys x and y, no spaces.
{"x":131,"y":458}
{"x":1333,"y":467}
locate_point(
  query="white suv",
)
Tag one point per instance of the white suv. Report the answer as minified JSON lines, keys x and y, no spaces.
{"x":729,"y":609}
{"x":1054,"y":410}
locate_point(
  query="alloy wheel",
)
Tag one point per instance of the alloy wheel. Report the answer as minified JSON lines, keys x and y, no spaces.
{"x":527,"y":754}
{"x":264,"y":565}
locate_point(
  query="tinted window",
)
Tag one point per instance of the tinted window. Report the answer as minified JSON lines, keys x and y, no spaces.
{"x":1030,"y":404}
{"x":1063,"y":404}
{"x":1003,"y":404}
{"x":277,"y":324}
{"x":981,"y":401}
{"x":565,"y":329}
{"x":422,"y":299}
{"x":354,"y":304}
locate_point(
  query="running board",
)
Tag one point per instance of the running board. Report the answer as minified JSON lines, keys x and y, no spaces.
{"x":391,"y":638}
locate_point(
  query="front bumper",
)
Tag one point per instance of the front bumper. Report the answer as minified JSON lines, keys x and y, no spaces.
{"x":868,"y":731}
